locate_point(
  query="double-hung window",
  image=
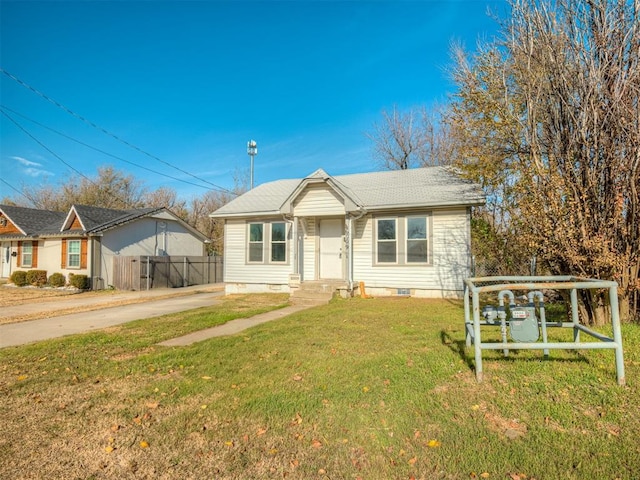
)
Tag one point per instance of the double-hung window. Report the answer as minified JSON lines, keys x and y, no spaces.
{"x":267,"y":242}
{"x":417,"y":241}
{"x":256,"y":242}
{"x":27,"y":254}
{"x":387,"y":240}
{"x":73,"y":253}
{"x":279,"y":242}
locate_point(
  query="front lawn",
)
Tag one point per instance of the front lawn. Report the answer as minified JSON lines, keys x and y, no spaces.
{"x":370,"y":389}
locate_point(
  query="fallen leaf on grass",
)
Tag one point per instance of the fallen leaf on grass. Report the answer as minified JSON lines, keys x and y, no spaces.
{"x":261,"y":431}
{"x":109,"y":449}
{"x":144,"y":444}
{"x":412,"y":461}
{"x":152,"y":405}
{"x":297,"y":420}
{"x":297,"y":377}
{"x":316,"y":443}
{"x":433,"y":443}
{"x":484,"y":475}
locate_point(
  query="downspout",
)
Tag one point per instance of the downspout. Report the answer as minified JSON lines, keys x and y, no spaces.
{"x":352,"y":220}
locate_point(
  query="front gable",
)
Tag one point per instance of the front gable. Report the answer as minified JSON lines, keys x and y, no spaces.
{"x":73,"y":221}
{"x":7,"y":227}
{"x":319,"y":195}
{"x":317,"y":200}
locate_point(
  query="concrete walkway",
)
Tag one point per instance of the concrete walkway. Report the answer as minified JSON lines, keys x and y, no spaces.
{"x":21,"y":333}
{"x":232,"y":327}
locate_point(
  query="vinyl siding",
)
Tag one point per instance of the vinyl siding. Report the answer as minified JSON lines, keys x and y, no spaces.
{"x":236,"y":268}
{"x":318,"y":200}
{"x":449,"y":249}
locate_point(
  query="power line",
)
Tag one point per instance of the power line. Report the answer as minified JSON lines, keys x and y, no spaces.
{"x":106,"y":132}
{"x":124,"y":200}
{"x":44,"y":146}
{"x":18,"y":191}
{"x":100,"y":150}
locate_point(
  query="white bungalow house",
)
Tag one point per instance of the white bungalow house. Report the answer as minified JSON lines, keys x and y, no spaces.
{"x":85,"y":239}
{"x":404,"y":232}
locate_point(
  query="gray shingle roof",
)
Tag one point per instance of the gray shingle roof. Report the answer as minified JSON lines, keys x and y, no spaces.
{"x":33,"y":221}
{"x":96,"y":219}
{"x":418,"y":187}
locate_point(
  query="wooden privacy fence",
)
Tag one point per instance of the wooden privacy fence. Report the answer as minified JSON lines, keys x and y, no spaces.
{"x":146,"y":272}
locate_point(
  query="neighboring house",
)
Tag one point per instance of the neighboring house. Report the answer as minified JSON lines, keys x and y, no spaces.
{"x":399,"y":232}
{"x":85,"y":240}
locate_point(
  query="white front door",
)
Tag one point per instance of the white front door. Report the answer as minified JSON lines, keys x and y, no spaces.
{"x":6,"y":259}
{"x":331,"y":248}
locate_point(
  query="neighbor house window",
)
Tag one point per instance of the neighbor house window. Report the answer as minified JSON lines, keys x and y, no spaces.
{"x":387,"y":240}
{"x":73,"y":253}
{"x":417,"y":243}
{"x":278,"y":242}
{"x":27,"y":254}
{"x":256,"y":242}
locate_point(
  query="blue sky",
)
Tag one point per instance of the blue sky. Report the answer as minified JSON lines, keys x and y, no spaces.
{"x":191,"y":82}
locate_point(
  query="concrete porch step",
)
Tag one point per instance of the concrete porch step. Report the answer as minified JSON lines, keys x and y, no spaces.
{"x":318,"y":292}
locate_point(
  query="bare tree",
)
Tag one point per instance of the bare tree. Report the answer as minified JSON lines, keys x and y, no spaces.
{"x":110,"y":188}
{"x":549,"y":121}
{"x":414,"y":138}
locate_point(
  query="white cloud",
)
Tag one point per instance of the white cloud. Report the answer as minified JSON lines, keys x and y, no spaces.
{"x":36,"y":172}
{"x":32,"y":168}
{"x":27,"y":163}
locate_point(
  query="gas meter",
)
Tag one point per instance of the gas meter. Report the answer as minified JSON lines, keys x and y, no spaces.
{"x":523,"y":324}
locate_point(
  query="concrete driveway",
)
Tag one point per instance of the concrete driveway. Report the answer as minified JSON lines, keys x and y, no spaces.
{"x":21,"y":333}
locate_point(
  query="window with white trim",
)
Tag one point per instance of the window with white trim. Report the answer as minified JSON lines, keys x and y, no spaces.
{"x":417,"y":240}
{"x":256,"y":242}
{"x":73,"y":253}
{"x":27,"y":254}
{"x":387,"y":240}
{"x":279,"y":242}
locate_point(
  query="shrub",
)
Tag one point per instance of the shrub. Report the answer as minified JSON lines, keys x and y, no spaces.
{"x":79,"y":281}
{"x":19,"y":278}
{"x":37,"y":277}
{"x":57,"y":280}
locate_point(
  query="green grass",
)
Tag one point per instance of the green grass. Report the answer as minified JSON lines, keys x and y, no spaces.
{"x":372,"y":389}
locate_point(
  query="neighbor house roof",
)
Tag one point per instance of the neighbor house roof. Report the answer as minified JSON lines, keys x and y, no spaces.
{"x":97,"y":219}
{"x":418,"y":187}
{"x":80,"y":220}
{"x":31,"y":221}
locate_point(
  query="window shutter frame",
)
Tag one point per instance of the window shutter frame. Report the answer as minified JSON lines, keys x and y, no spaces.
{"x":19,"y":256}
{"x":63,"y":260}
{"x":34,"y":254}
{"x":83,"y":253}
